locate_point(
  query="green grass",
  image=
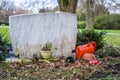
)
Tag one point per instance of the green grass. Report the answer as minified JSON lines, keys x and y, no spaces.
{"x":112,"y":39}
{"x":80,"y":22}
{"x":110,"y":31}
{"x":4,"y":31}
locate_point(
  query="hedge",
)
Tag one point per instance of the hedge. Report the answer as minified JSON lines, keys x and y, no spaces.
{"x":111,"y":21}
{"x":81,"y":24}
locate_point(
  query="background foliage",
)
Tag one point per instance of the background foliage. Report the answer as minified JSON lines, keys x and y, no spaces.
{"x":4,"y":40}
{"x":81,"y":24}
{"x":86,"y":36}
{"x":111,"y":21}
{"x":108,"y":50}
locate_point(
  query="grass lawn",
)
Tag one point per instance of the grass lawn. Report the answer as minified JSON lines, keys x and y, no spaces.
{"x":112,"y":39}
{"x":108,"y":31}
{"x":4,"y":31}
{"x":111,"y":31}
{"x":81,"y":22}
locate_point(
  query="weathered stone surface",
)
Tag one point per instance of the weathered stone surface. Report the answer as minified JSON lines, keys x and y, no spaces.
{"x":30,"y":32}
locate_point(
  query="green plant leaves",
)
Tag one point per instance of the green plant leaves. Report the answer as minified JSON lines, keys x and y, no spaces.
{"x":86,"y":36}
{"x":47,"y":47}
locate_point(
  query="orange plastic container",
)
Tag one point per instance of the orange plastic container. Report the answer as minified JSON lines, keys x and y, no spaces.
{"x":87,"y":48}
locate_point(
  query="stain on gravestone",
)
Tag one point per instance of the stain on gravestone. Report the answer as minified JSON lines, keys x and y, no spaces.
{"x":29,"y":33}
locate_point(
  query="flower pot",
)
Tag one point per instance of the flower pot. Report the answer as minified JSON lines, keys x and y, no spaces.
{"x":46,"y":54}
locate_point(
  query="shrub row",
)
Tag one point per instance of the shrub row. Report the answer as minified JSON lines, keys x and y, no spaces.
{"x":81,"y":17}
{"x":81,"y":24}
{"x":86,"y":36}
{"x":111,"y":21}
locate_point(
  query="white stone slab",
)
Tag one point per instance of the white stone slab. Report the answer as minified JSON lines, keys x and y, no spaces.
{"x":30,"y":32}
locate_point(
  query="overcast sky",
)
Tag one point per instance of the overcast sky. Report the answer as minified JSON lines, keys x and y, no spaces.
{"x":47,"y":3}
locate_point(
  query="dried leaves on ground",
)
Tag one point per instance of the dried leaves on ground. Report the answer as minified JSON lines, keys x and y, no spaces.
{"x":108,"y":69}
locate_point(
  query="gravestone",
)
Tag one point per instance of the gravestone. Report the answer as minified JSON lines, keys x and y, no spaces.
{"x":29,"y":33}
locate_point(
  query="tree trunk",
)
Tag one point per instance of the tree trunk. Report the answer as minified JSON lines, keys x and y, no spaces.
{"x":68,"y":5}
{"x":89,"y":14}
